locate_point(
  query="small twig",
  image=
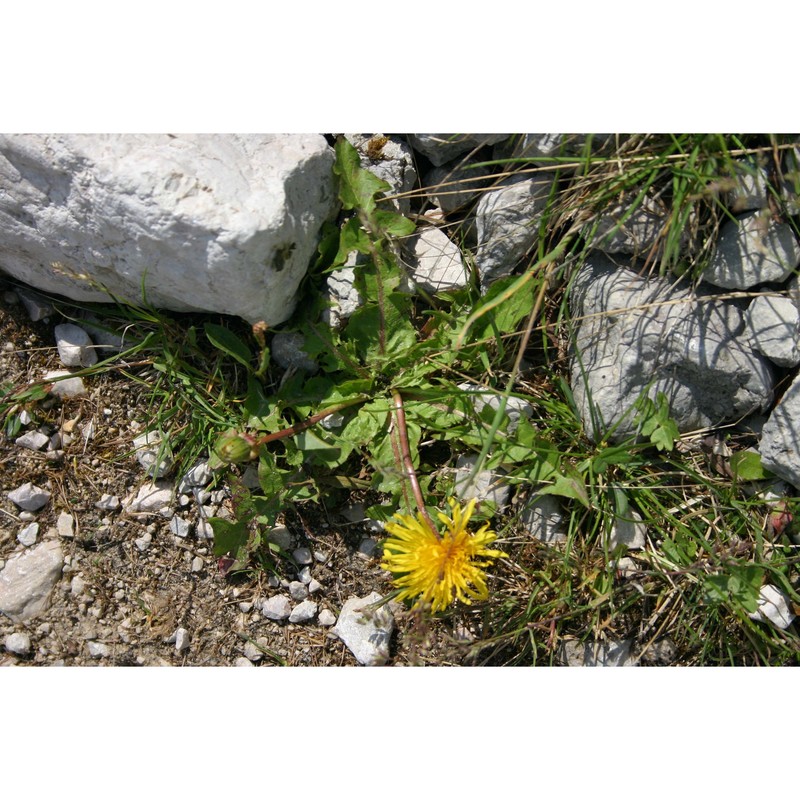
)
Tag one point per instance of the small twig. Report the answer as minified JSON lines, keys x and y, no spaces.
{"x":408,"y":464}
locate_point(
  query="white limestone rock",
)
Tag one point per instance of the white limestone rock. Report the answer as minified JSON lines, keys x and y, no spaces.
{"x":27,"y":580}
{"x":773,"y":606}
{"x":63,"y":385}
{"x":154,"y":454}
{"x":277,"y":607}
{"x":32,"y":440}
{"x":29,"y":497}
{"x":18,"y":643}
{"x":75,"y":347}
{"x":151,"y":498}
{"x":597,"y":654}
{"x":366,"y":629}
{"x":303,"y":612}
{"x":488,"y":484}
{"x":435,"y":261}
{"x":628,"y":530}
{"x":223,"y":223}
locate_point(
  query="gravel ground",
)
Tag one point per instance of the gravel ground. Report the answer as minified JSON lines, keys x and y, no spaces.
{"x":131,"y":592}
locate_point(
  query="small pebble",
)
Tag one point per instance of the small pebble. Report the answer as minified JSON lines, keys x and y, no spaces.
{"x":277,"y":607}
{"x":314,"y":586}
{"x":320,"y":556}
{"x":182,"y":640}
{"x":245,"y":607}
{"x":303,"y":555}
{"x":65,"y":525}
{"x":298,"y":590}
{"x":18,"y":643}
{"x":108,"y":502}
{"x":32,"y":440}
{"x":143,"y":542}
{"x":180,"y":527}
{"x":367,"y":547}
{"x":98,"y":649}
{"x":197,"y":564}
{"x":303,"y":612}
{"x":27,"y":536}
{"x":304,"y":575}
{"x":326,"y":617}
{"x":252,"y":652}
{"x":29,"y":497}
{"x":242,"y":662}
{"x":203,"y":529}
{"x":77,"y":585}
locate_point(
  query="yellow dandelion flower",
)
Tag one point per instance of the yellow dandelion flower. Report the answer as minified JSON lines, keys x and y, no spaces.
{"x":439,"y":570}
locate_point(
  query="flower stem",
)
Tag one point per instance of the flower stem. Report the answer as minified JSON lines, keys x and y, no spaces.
{"x":307,"y":423}
{"x":408,"y":464}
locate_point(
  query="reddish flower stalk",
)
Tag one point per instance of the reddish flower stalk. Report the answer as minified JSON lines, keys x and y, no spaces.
{"x":408,"y":464}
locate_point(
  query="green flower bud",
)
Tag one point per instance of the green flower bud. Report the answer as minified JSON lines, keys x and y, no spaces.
{"x":234,"y":447}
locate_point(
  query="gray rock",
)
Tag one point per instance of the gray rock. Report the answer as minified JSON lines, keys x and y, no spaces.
{"x":75,"y":347}
{"x":154,"y":454}
{"x":29,"y":497}
{"x":442,"y":147}
{"x":143,"y":542}
{"x":751,"y":250}
{"x":391,"y":160}
{"x":281,"y":536}
{"x":628,"y":530}
{"x":27,"y":536}
{"x":32,"y":440}
{"x":631,"y":227}
{"x":287,"y":351}
{"x":151,"y":498}
{"x":303,"y":612}
{"x":639,"y":335}
{"x":223,"y":223}
{"x":597,"y":654}
{"x":368,"y":546}
{"x":314,"y":586}
{"x":242,"y":661}
{"x":507,"y":220}
{"x":77,"y":586}
{"x":198,"y":564}
{"x":780,"y":437}
{"x":542,"y":148}
{"x":366,"y":629}
{"x":773,"y":329}
{"x":37,"y":307}
{"x":543,"y":519}
{"x":64,"y":385}
{"x":302,"y":555}
{"x":435,"y":262}
{"x":277,"y":607}
{"x":751,"y":185}
{"x":65,"y":525}
{"x":488,"y":484}
{"x":454,"y":188}
{"x":298,"y":590}
{"x":18,"y":643}
{"x":27,"y":580}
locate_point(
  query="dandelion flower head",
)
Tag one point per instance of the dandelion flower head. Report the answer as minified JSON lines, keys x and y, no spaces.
{"x":439,"y":569}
